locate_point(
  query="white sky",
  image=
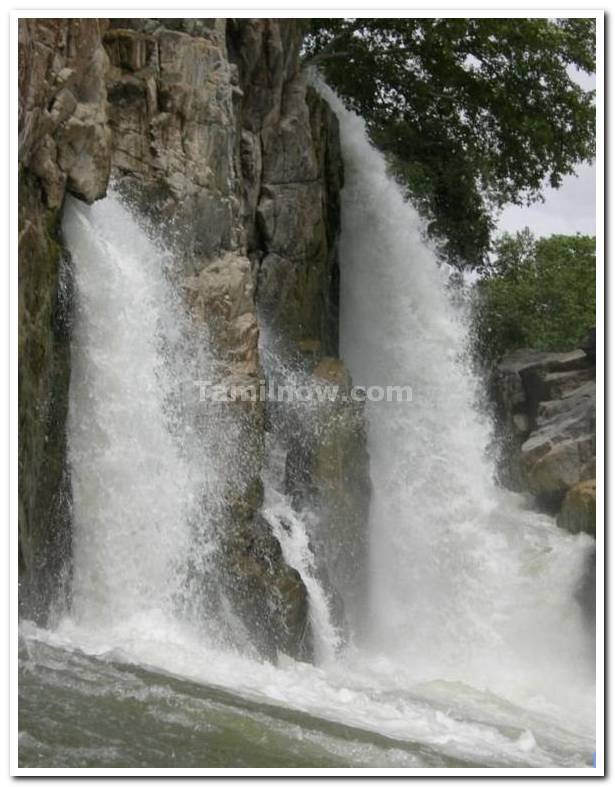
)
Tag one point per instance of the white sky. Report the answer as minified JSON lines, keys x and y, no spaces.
{"x":567,"y":210}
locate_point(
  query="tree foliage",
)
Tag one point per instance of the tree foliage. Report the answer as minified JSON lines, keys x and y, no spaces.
{"x":473,"y":113}
{"x":536,"y":293}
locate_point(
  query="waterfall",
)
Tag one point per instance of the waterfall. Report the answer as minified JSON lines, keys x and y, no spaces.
{"x":466,"y":582}
{"x":474,"y":647}
{"x":138,"y":477}
{"x":144,"y":484}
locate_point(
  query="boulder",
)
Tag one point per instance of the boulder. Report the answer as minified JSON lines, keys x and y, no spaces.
{"x":561,"y":451}
{"x":222,"y":297}
{"x":552,"y":469}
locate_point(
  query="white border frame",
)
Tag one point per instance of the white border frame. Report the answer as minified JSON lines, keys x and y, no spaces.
{"x":281,"y":10}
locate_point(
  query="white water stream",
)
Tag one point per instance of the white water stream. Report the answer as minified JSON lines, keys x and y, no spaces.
{"x":466,"y":583}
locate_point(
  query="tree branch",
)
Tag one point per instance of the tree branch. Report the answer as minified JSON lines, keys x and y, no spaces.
{"x":322,"y":56}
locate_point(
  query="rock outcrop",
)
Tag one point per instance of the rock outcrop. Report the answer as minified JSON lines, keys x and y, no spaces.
{"x":64,"y":146}
{"x":209,"y":128}
{"x":64,"y":137}
{"x":547,"y":408}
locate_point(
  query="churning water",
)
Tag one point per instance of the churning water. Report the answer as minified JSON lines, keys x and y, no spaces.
{"x":475,"y":649}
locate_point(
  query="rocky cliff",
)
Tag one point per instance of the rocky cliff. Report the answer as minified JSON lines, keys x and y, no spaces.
{"x":64,"y":145}
{"x":546,"y":404}
{"x":209,"y":127}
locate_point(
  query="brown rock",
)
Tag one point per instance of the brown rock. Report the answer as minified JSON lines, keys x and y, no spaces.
{"x":578,"y":512}
{"x":63,"y":133}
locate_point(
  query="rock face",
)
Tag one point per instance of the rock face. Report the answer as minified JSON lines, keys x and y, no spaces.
{"x":578,"y":512}
{"x":209,"y":127}
{"x":547,"y":406}
{"x":327,"y":475}
{"x":64,"y":145}
{"x":64,"y":138}
{"x":336,"y":468}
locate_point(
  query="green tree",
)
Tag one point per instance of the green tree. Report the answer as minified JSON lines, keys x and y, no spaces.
{"x":473,"y":113}
{"x":536,"y":293}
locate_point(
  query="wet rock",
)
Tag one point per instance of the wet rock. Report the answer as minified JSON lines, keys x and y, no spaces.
{"x":333,"y":371}
{"x":578,"y":513}
{"x":43,"y":379}
{"x":554,"y":467}
{"x":559,"y":384}
{"x":268,"y":594}
{"x":64,"y":145}
{"x":327,"y":472}
{"x":561,"y":451}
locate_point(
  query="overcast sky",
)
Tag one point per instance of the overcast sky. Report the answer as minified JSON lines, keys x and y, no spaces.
{"x":567,"y":210}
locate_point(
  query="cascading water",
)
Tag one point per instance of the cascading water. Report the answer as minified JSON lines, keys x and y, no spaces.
{"x":139,"y":476}
{"x":476,"y":647}
{"x":293,"y":528}
{"x":289,"y":527}
{"x":465,"y":582}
